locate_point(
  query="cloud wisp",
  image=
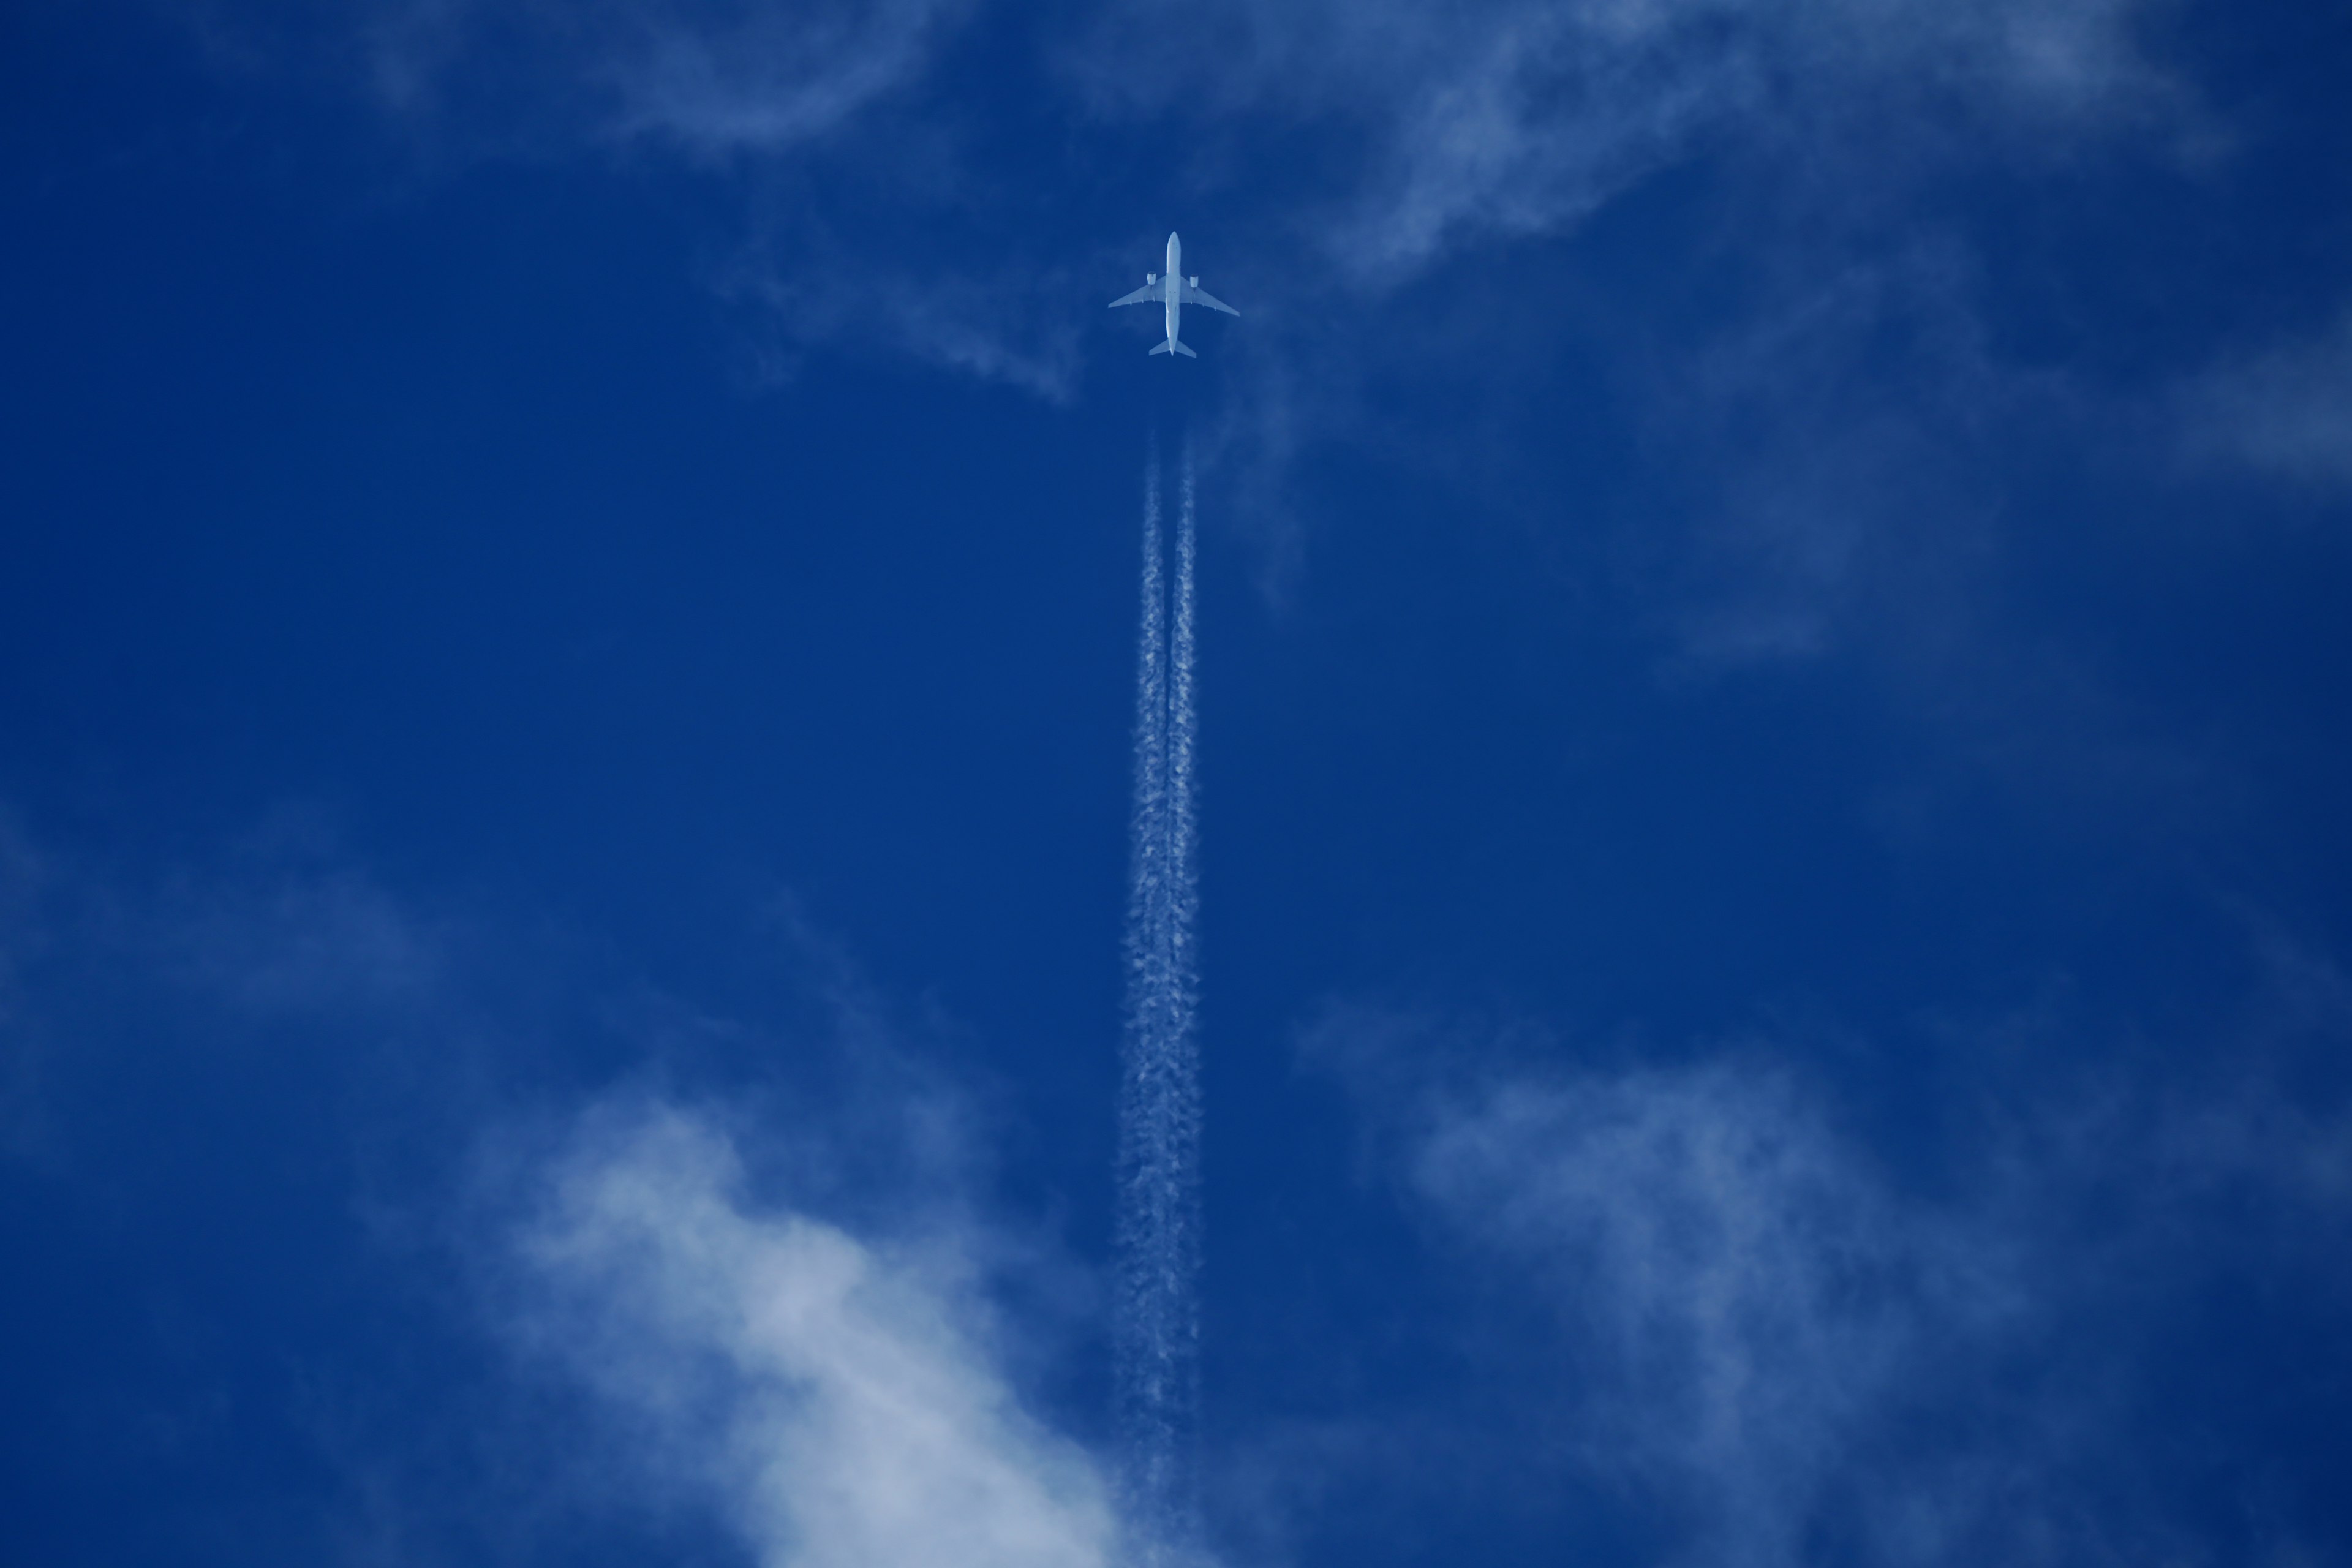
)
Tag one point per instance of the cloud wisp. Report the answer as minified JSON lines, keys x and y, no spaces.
{"x":1741,"y":1299}
{"x":1769,"y":1342}
{"x":760,"y":80}
{"x":710,"y":80}
{"x":1746,"y":1301}
{"x":836,"y":1396}
{"x":1520,"y":117}
{"x":2285,"y":412}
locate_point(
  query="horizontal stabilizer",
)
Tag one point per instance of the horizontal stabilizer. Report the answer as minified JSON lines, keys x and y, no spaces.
{"x":1172,"y":344}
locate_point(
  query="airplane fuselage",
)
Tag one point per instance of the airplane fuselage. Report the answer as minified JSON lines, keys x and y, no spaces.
{"x":1174,"y":292}
{"x":1171,"y":291}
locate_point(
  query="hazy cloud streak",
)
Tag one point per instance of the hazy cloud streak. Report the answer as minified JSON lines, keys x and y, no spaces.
{"x":835,"y":1395}
{"x":2286,"y":411}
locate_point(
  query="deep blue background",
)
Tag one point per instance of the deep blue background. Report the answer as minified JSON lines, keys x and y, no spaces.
{"x":375,"y":507}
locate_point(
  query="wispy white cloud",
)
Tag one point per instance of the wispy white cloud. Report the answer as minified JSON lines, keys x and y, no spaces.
{"x":292,"y":939}
{"x":736,"y":78}
{"x":1742,"y":1294}
{"x":1014,"y":326}
{"x":284,"y":938}
{"x":708,"y":79}
{"x":767,"y":96}
{"x":1762,"y":1329}
{"x":1518,"y":117}
{"x":2285,"y":411}
{"x":839,"y":1395}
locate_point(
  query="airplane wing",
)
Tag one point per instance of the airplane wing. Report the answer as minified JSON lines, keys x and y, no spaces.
{"x":1147,"y":295}
{"x":1202,"y":297}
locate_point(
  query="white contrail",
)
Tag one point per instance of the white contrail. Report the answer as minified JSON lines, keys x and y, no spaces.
{"x":1159,"y":1230}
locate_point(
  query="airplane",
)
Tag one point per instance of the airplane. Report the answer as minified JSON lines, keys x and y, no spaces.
{"x":1176,"y":292}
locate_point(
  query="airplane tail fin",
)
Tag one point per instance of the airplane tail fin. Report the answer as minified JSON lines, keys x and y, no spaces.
{"x":1172,"y":344}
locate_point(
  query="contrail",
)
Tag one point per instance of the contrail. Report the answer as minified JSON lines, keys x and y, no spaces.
{"x":1158,"y":1331}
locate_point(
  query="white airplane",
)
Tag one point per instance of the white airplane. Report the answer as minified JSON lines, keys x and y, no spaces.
{"x":1175,"y":291}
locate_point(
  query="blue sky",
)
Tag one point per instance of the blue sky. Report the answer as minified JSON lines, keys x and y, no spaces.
{"x":1774,"y":921}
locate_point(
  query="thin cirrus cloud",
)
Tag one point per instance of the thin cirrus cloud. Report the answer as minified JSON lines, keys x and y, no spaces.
{"x":1760,"y":1334}
{"x":1009,"y":329}
{"x":1752,"y":1300}
{"x":2285,"y":411}
{"x":708,"y":79}
{"x":1737,"y":1296}
{"x":835,"y":1396}
{"x":764,"y":81}
{"x":282,"y":938}
{"x":1520,"y":118}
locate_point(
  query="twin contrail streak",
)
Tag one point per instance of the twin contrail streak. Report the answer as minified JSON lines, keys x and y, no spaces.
{"x":1158,"y":1331}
